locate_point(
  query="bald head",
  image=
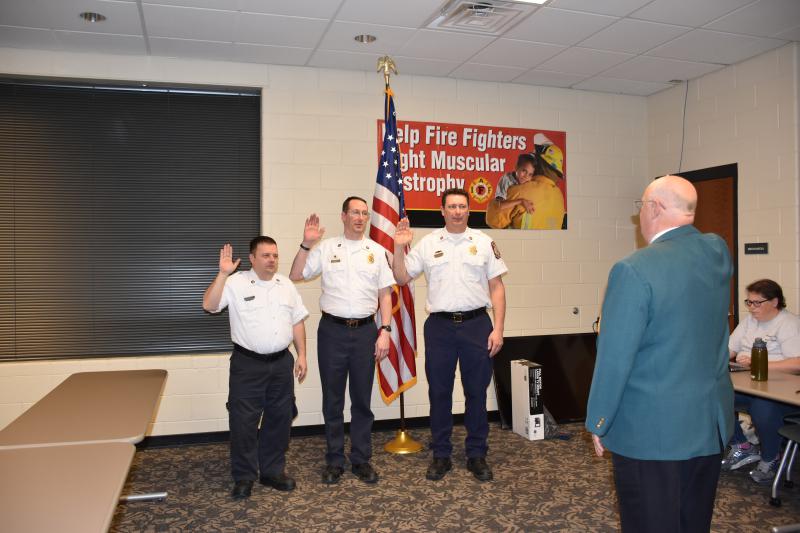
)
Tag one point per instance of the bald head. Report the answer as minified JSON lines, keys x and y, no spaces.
{"x":669,"y":201}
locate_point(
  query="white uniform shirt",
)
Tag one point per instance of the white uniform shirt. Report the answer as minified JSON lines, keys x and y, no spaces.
{"x":458,"y":267}
{"x":262,"y":313}
{"x":352,"y":274}
{"x":782,"y":335}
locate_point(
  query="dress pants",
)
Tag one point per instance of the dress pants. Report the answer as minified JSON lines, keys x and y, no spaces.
{"x":343,"y":351}
{"x":767,"y":417}
{"x":448,"y":343}
{"x":666,"y":496}
{"x":260,"y":385}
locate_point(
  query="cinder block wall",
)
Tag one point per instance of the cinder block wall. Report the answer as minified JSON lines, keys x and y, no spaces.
{"x":319,"y":145}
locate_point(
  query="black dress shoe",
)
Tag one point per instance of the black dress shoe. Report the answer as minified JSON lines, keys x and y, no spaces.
{"x":332,"y":474}
{"x":242,"y":489}
{"x":365,"y":473}
{"x":479,"y":468}
{"x":438,"y":468}
{"x":279,"y":482}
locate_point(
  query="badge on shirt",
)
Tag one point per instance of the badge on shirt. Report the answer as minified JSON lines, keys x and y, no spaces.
{"x":249,"y":298}
{"x":473,"y":250}
{"x":370,"y":258}
{"x":437,"y":254}
{"x":496,"y":250}
{"x":335,"y":259}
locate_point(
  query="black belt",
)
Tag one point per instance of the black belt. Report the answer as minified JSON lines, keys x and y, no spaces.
{"x":460,"y":316}
{"x":349,"y":322}
{"x":262,"y":356}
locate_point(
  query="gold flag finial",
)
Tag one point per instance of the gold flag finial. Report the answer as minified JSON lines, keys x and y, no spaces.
{"x":386,"y":64}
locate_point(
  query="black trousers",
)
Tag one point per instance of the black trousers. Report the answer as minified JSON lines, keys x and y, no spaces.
{"x":344,"y":352}
{"x":448,"y":343}
{"x":260,"y":386}
{"x":666,"y":496}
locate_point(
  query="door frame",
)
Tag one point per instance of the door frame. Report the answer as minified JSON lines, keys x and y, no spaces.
{"x":725,"y":171}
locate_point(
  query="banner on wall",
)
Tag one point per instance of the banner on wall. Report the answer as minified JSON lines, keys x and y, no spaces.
{"x":436,"y":156}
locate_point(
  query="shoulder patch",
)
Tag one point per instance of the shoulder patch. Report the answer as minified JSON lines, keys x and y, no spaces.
{"x":496,"y":250}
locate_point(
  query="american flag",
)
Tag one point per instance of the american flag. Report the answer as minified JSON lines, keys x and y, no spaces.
{"x":398,"y":371}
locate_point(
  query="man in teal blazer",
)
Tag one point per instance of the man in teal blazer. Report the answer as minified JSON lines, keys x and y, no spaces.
{"x":661,"y":398}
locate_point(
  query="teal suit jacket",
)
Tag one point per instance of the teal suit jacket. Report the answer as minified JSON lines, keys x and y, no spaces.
{"x":661,"y":388}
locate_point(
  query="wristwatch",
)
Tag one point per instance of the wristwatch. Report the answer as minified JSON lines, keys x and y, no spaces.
{"x":387,"y":328}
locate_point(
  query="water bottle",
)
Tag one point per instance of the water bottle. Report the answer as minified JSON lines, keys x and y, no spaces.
{"x":758,"y":360}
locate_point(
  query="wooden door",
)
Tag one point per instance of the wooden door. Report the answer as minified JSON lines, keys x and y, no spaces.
{"x":717,"y":213}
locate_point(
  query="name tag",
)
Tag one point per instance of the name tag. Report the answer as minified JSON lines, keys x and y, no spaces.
{"x":336,"y":260}
{"x":249,"y":298}
{"x":438,"y":253}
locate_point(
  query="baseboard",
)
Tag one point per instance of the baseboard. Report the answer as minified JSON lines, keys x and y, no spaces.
{"x":211,"y":437}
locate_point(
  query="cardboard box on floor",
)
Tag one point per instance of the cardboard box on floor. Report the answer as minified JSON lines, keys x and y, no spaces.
{"x":527,"y":409}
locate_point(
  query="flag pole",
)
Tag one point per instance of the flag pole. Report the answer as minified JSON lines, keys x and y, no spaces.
{"x":403,"y":442}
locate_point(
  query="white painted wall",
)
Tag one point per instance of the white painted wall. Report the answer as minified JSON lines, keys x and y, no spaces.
{"x":319,"y":145}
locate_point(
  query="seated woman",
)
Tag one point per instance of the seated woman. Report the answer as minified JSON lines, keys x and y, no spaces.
{"x":780,"y":329}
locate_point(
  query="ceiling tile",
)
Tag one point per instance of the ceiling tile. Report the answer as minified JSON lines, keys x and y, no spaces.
{"x":109,"y":43}
{"x":792,"y":34}
{"x":122,"y":17}
{"x":618,"y":8}
{"x":345,"y":60}
{"x":390,"y":39}
{"x":408,"y":13}
{"x":276,"y":55}
{"x":557,"y":26}
{"x":658,"y":70}
{"x":513,"y":53}
{"x":14,"y":37}
{"x":475,"y":71}
{"x":278,"y":30}
{"x":687,"y":12}
{"x":189,"y":23}
{"x":160,"y":46}
{"x":423,"y":66}
{"x":634,"y":36}
{"x":766,"y":18}
{"x":715,"y":47}
{"x":225,"y":5}
{"x":549,"y":79}
{"x":448,"y":46}
{"x":583,"y":61}
{"x":613,"y":85}
{"x":296,"y":8}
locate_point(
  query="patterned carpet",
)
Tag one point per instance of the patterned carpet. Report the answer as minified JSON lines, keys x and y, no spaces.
{"x":552,"y":485}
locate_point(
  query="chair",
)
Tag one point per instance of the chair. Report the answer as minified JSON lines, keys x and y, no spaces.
{"x":791,"y":432}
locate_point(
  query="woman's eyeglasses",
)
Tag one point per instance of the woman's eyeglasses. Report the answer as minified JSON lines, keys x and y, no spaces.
{"x":754,"y":303}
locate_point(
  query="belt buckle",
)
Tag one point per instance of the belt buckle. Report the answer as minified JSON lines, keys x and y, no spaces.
{"x":351,"y":322}
{"x":458,"y":317}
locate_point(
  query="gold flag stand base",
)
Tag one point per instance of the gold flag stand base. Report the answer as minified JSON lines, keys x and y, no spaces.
{"x":403,"y":443}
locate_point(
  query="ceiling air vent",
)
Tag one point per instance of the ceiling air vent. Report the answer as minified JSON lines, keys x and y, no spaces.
{"x":486,"y":17}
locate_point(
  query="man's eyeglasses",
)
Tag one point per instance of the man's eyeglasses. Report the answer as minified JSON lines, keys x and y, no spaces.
{"x":754,"y":303}
{"x":640,"y":203}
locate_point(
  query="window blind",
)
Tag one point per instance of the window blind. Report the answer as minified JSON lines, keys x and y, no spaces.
{"x":114,"y":202}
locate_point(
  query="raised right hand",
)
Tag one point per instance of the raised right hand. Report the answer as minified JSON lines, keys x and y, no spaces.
{"x":226,"y":263}
{"x":312,"y":233}
{"x":403,"y":234}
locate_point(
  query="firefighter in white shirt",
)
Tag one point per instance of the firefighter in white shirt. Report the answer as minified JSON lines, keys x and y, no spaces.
{"x":356,"y":279}
{"x":266,"y":315}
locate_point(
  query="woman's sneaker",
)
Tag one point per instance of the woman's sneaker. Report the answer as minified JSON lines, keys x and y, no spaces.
{"x":764,"y":473}
{"x":740,"y":455}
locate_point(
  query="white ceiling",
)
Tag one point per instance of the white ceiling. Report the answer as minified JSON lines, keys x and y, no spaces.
{"x":621,"y":46}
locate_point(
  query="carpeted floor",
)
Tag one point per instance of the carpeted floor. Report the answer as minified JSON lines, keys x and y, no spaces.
{"x":552,"y":485}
